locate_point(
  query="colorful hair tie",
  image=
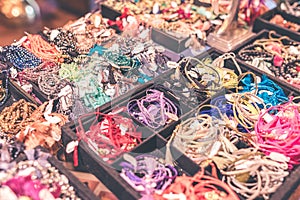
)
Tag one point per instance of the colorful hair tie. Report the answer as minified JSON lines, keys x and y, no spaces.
{"x":254,"y":175}
{"x":147,"y":174}
{"x":111,"y":136}
{"x":154,"y":109}
{"x":267,"y":90}
{"x":200,"y":186}
{"x":195,"y":136}
{"x":277,"y":130}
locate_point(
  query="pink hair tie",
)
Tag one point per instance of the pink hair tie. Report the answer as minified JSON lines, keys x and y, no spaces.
{"x":278,"y":130}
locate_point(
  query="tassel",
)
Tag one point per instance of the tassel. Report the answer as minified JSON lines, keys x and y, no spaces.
{"x":168,"y":155}
{"x":75,"y":156}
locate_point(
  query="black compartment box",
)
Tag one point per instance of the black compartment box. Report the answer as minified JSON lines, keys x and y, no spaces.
{"x":182,"y":108}
{"x":43,"y":97}
{"x":262,"y":34}
{"x":110,"y":13}
{"x":69,"y":130}
{"x":212,"y":53}
{"x":172,"y":43}
{"x":229,"y":64}
{"x":109,"y":174}
{"x":293,"y":180}
{"x":263,"y":22}
{"x":169,"y":41}
{"x":16,"y":93}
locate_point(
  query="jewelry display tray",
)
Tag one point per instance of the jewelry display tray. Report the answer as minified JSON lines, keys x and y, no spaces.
{"x":108,"y":174}
{"x":263,"y":22}
{"x":293,"y":179}
{"x":80,"y":188}
{"x":171,"y":42}
{"x":263,"y":34}
{"x":155,"y":142}
{"x":43,"y":97}
{"x":16,"y":93}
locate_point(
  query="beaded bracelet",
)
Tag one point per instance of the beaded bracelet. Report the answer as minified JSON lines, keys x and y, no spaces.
{"x":4,"y":92}
{"x":15,"y":117}
{"x":33,"y":74}
{"x":200,"y":186}
{"x":111,"y":136}
{"x":50,"y":84}
{"x":20,"y":57}
{"x":63,"y":39}
{"x":154,"y":110}
{"x":56,"y":88}
{"x":42,"y":49}
{"x":279,"y":54}
{"x":146,"y":173}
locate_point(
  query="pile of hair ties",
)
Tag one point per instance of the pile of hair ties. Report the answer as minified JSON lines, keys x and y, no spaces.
{"x":200,"y":186}
{"x":112,"y":135}
{"x":199,"y":79}
{"x":154,"y":109}
{"x":277,"y":131}
{"x":147,"y":173}
{"x":244,"y":134}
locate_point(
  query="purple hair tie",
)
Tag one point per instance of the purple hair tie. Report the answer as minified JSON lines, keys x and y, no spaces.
{"x":154,"y":110}
{"x":147,"y":174}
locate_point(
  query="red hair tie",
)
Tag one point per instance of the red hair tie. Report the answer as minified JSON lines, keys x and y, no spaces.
{"x":200,"y":187}
{"x":111,"y":136}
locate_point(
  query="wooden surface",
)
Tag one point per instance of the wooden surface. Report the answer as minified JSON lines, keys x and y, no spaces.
{"x":51,"y":16}
{"x":93,"y":183}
